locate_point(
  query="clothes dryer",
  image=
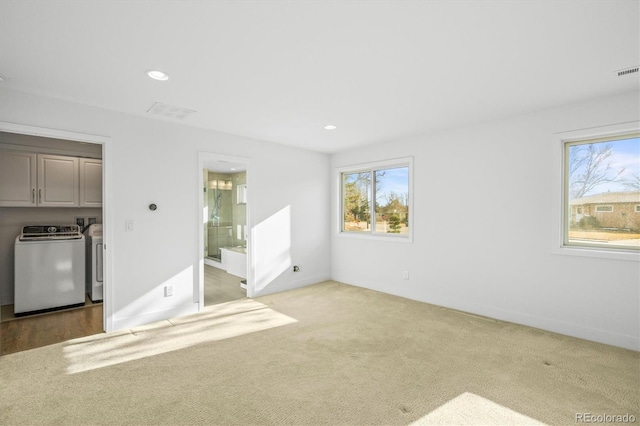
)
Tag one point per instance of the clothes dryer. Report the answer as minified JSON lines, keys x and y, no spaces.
{"x":94,"y":268}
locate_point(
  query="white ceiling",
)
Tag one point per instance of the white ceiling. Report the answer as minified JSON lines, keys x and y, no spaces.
{"x":281,"y":70}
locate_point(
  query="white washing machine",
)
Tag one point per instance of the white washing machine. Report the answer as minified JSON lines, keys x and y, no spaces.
{"x":94,"y":256}
{"x":49,"y":268}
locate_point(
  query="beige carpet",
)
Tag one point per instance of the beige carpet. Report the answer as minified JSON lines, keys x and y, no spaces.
{"x":328,"y":354}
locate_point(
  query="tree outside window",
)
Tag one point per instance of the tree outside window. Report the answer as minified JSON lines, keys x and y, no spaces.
{"x":602,"y":188}
{"x":376,"y":201}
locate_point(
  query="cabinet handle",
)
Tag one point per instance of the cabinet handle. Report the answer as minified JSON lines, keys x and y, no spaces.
{"x":39,"y":195}
{"x":33,"y":196}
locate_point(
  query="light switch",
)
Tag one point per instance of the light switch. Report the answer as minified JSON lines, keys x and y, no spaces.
{"x":129,"y":226}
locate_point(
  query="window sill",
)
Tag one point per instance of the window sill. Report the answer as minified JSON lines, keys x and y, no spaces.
{"x":377,"y":237}
{"x":598,"y":253}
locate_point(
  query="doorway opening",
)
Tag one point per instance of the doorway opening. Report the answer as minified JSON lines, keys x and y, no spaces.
{"x":224,"y":231}
{"x":226,"y":204}
{"x":86,"y":154}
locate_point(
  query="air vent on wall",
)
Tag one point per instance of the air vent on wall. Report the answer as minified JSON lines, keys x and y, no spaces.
{"x":169,"y":111}
{"x":627,"y":71}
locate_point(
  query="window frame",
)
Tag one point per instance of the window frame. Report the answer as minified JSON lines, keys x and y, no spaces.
{"x":560,"y":204}
{"x":609,"y":206}
{"x":372,"y":167}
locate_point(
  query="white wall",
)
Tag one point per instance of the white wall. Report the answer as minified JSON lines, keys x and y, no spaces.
{"x":153,"y":161}
{"x":483,"y":229}
{"x":483,"y":218}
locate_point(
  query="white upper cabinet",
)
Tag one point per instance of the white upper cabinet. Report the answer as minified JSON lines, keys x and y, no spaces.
{"x":28,"y":179}
{"x":58,"y":181}
{"x":90,"y":182}
{"x":17,"y":178}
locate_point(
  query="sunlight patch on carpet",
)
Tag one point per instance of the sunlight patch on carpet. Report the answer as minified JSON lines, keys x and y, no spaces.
{"x":217,"y":322}
{"x":471,"y":409}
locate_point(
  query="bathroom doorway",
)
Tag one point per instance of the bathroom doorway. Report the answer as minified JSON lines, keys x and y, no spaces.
{"x":224,"y":230}
{"x":226,"y":212}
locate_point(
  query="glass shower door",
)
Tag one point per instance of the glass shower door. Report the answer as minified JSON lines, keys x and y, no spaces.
{"x":219,"y":221}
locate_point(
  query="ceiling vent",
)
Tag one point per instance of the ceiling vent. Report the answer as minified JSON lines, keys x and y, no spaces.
{"x":169,"y":111}
{"x":627,"y":71}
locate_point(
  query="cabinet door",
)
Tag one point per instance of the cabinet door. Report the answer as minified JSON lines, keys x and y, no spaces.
{"x":58,"y":181}
{"x":90,"y":182}
{"x":17,"y":178}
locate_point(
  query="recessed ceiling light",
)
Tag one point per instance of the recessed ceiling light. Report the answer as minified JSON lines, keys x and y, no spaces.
{"x":158,"y":75}
{"x":330,"y":127}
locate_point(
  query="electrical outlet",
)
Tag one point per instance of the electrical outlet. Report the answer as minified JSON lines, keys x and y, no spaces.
{"x":80,"y":222}
{"x":405,"y":275}
{"x":168,"y":291}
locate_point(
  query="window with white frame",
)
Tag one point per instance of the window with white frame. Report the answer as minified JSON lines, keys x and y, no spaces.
{"x":604,"y":209}
{"x":602,"y":192}
{"x":375,"y":199}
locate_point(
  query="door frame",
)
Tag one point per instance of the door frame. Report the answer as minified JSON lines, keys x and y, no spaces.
{"x":105,"y":141}
{"x":207,"y":161}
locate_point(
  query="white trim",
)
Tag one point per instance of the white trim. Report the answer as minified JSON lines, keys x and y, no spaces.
{"x":604,"y":211}
{"x":46,"y":150}
{"x":107,"y":200}
{"x":52,"y":133}
{"x":558,"y":191}
{"x":124,"y":323}
{"x":375,"y":165}
{"x":555,"y":325}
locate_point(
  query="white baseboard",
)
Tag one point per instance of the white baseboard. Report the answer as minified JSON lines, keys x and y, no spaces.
{"x":303,"y":282}
{"x":214,"y":263}
{"x":147,"y":318}
{"x":548,"y":324}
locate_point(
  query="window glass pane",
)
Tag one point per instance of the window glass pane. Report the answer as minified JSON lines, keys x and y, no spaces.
{"x":392,"y":200}
{"x":356,"y":189}
{"x":603,"y":189}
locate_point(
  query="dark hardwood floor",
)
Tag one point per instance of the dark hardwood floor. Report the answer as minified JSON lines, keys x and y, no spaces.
{"x":20,"y":334}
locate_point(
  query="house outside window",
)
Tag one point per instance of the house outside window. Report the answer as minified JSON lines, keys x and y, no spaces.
{"x":602,"y":192}
{"x":375,"y":199}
